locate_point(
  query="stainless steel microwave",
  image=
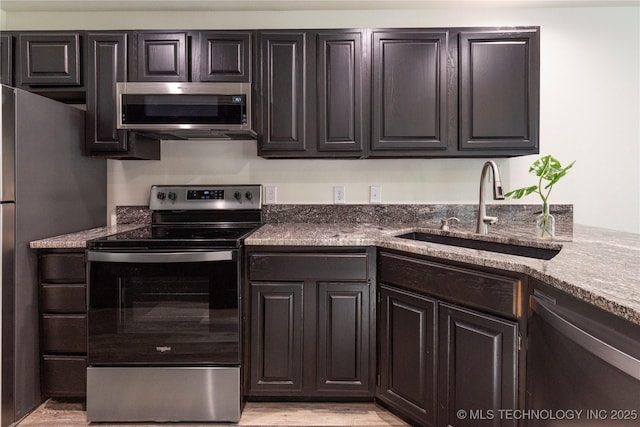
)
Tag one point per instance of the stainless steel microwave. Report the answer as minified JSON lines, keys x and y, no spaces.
{"x":186,"y":110}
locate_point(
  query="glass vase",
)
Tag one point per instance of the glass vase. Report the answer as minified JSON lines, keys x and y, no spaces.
{"x":545,"y":224}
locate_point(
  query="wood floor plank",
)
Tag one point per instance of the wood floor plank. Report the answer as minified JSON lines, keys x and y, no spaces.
{"x":300,"y":414}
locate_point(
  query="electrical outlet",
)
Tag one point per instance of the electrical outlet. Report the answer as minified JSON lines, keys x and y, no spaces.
{"x":271,"y":194}
{"x":375,"y":194}
{"x":338,"y":195}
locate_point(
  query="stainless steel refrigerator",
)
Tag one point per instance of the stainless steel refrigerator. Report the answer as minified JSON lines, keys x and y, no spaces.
{"x":47,"y":188}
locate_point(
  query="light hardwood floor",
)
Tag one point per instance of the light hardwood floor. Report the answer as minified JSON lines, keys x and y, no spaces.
{"x":54,"y":413}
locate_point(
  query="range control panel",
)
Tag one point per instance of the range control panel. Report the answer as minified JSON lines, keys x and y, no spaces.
{"x":205,"y":197}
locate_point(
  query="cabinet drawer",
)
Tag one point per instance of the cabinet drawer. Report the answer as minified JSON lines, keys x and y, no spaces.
{"x":64,"y":376}
{"x":476,"y":289}
{"x":317,"y":266}
{"x":63,"y":298}
{"x":62,"y":268}
{"x":64,"y":333}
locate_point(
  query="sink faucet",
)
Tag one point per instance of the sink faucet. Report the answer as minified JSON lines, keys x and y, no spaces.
{"x":484,"y":220}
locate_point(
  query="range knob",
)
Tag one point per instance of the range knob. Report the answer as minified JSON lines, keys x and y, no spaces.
{"x":248,"y":195}
{"x":238,"y":196}
{"x":172,"y":195}
{"x":160,"y":195}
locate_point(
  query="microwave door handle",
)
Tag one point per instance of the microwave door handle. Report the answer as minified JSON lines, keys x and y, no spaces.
{"x":159,"y":257}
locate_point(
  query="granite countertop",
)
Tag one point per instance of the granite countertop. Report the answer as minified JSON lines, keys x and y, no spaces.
{"x":79,"y":240}
{"x":596,"y":265}
{"x":599,"y":266}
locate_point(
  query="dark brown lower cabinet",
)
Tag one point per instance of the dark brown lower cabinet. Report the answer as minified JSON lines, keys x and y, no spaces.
{"x":442,"y":364}
{"x":311,"y":325}
{"x":63,"y":323}
{"x":477,"y":366}
{"x":408,"y":354}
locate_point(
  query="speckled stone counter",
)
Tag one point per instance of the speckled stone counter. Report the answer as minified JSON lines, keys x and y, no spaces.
{"x":598,"y":266}
{"x":79,"y":240}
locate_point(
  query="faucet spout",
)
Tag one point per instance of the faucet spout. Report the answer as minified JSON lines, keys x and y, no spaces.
{"x":483,"y":219}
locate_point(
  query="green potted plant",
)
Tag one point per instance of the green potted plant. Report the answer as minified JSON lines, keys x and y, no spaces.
{"x":548,"y":169}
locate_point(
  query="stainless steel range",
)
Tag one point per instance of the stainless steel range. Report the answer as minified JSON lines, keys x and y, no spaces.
{"x":164,"y":309}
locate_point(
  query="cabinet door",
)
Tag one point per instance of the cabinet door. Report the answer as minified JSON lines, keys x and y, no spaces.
{"x":478,"y":367}
{"x":281,"y":95}
{"x":161,"y":57}
{"x":341,"y":116}
{"x":107,"y":65}
{"x":499,"y":91}
{"x":276,"y":338}
{"x":225,"y":57}
{"x":6,"y":59}
{"x":409,"y":96}
{"x":343,"y":337}
{"x":408,"y":354}
{"x":51,"y":59}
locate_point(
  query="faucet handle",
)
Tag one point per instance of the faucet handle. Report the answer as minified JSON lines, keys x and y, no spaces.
{"x":444,"y":224}
{"x":490,"y":220}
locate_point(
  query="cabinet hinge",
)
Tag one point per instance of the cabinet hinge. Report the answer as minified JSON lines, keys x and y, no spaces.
{"x":378,"y":380}
{"x":519,"y":342}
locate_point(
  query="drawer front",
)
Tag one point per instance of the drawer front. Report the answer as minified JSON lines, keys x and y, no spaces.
{"x":64,"y":333}
{"x":316,"y":266}
{"x":63,"y":298}
{"x":62,"y":268}
{"x":64,"y":376}
{"x":484,"y":291}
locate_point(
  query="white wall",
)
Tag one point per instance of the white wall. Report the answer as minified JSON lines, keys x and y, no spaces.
{"x":590,"y":112}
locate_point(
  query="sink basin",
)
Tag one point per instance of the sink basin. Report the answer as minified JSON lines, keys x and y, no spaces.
{"x":504,"y":248}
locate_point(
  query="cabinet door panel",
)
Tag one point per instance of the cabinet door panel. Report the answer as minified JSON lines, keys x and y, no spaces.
{"x":51,"y":59}
{"x":340,"y":83}
{"x":478,"y":365}
{"x":108,"y":58}
{"x":499,"y":91}
{"x":276,"y":332}
{"x":6,"y":59}
{"x":162,"y":57}
{"x":409,"y":90}
{"x":408,"y":354}
{"x":225,"y":57}
{"x":282,"y":91}
{"x":343,"y":337}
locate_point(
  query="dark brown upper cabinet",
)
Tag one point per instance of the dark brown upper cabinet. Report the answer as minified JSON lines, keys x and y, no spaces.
{"x":342,"y":116}
{"x":159,"y":57}
{"x":181,"y":56}
{"x":499,"y":92}
{"x":107,"y":64}
{"x":6,"y":59}
{"x":224,"y":56}
{"x":409,"y":92}
{"x":311,"y":90}
{"x":281,"y":121}
{"x":50,"y":63}
{"x":51,"y":59}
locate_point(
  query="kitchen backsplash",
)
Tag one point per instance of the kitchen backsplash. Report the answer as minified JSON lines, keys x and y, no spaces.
{"x":428,"y":215}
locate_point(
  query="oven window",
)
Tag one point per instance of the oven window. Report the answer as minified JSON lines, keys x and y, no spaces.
{"x":167,"y":304}
{"x":163,"y":313}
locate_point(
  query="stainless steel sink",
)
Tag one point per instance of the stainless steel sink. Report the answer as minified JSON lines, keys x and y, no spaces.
{"x":504,"y":248}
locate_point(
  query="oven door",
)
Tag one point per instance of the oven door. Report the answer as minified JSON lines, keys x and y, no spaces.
{"x":163,"y":308}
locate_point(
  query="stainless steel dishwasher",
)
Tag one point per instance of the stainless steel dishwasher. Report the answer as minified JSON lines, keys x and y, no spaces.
{"x":583,"y":364}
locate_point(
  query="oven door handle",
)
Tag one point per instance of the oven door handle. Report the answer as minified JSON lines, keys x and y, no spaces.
{"x":159,"y":257}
